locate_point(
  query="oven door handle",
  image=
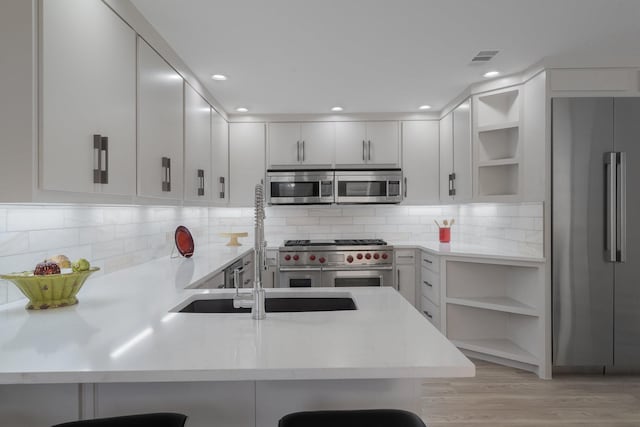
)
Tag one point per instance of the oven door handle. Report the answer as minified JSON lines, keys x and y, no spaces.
{"x":363,"y":268}
{"x":299,"y":269}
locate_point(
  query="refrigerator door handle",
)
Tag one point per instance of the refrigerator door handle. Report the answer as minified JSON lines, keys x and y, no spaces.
{"x":610,"y":162}
{"x":621,"y":177}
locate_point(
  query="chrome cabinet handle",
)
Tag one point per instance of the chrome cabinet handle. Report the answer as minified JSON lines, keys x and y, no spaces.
{"x":364,"y":150}
{"x":298,"y":150}
{"x":622,"y":207}
{"x":426,"y":313}
{"x":369,"y":150}
{"x":166,"y":166}
{"x":452,"y":186}
{"x":427,"y":261}
{"x":427,"y":283}
{"x":101,"y":146}
{"x":303,"y":151}
{"x":221,"y":180}
{"x":200,"y":182}
{"x":405,"y":186}
{"x":398,"y":280}
{"x":610,"y":161}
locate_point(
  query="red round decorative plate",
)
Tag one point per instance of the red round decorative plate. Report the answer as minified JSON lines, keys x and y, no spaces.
{"x":184,"y":241}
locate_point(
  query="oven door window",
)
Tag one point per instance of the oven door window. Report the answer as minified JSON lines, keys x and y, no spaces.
{"x":362,"y":188}
{"x":295,"y":189}
{"x":347,"y":282}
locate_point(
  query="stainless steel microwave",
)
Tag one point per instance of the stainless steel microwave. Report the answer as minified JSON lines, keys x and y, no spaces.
{"x":300,"y":187}
{"x":374,"y":186}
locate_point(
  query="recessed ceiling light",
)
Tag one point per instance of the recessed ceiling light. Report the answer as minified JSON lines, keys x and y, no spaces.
{"x":337,"y":109}
{"x":242,"y":109}
{"x":219,"y":77}
{"x":424,"y":107}
{"x":490,"y":74}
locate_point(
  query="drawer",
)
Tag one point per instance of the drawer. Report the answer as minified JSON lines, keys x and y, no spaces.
{"x":431,"y":285}
{"x":431,"y":262}
{"x":431,"y":312}
{"x":405,"y":256}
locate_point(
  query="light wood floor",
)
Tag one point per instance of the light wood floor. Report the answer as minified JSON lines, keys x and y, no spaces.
{"x":505,"y":397}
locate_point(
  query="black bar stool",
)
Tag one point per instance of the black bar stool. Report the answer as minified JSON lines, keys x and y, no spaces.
{"x":163,"y":419}
{"x":359,"y":418}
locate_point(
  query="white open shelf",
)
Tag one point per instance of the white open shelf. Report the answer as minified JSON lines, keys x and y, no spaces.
{"x":508,"y":335}
{"x":499,"y":126}
{"x":498,"y":347}
{"x":498,"y":108}
{"x":506,"y":304}
{"x":499,"y":180}
{"x":498,"y":144}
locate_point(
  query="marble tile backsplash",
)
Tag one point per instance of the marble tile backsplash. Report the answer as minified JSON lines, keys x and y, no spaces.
{"x":117,"y":237}
{"x":111,"y":237}
{"x":513,"y":226}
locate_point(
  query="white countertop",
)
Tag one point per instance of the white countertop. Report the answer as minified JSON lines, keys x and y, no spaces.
{"x":461,"y":249}
{"x":122,"y":331}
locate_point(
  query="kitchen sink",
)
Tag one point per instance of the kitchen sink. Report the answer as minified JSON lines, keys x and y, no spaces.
{"x":273,"y":304}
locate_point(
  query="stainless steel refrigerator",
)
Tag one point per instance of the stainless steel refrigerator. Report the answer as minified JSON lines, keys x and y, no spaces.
{"x":596,"y":232}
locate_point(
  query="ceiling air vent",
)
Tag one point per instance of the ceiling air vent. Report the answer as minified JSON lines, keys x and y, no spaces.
{"x":484,"y":56}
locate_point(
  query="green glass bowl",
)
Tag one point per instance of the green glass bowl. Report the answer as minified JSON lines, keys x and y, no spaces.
{"x":50,"y":291}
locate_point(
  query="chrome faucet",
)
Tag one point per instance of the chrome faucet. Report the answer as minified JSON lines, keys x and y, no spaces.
{"x":259,"y":261}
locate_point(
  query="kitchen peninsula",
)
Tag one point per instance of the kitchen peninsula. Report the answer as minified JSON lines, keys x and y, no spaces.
{"x":123,"y":349}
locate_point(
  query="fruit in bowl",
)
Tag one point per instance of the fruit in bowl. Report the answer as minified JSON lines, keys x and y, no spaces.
{"x":62,"y":260}
{"x":47,"y":287}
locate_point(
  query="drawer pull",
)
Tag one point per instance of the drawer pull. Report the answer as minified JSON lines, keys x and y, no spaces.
{"x":426,"y":313}
{"x":405,"y":256}
{"x":427,"y":261}
{"x":427,"y":283}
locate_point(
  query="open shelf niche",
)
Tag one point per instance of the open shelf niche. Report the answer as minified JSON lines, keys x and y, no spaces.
{"x":497,"y":143}
{"x":496,"y":309}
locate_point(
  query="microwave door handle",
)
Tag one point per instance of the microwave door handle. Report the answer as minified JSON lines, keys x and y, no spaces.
{"x":610,"y":160}
{"x":622,"y":206}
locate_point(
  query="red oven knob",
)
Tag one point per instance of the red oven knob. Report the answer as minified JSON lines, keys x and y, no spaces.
{"x":376,"y":256}
{"x":385,"y":256}
{"x":287,"y":257}
{"x":312,"y":257}
{"x":296,"y":257}
{"x":359,"y":256}
{"x":322,"y":260}
{"x":349,"y":259}
{"x":368,"y":256}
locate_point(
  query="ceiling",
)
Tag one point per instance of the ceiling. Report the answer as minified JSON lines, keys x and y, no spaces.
{"x":306,"y":56}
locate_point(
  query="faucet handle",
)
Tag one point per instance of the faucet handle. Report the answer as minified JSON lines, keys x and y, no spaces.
{"x":236,"y":279}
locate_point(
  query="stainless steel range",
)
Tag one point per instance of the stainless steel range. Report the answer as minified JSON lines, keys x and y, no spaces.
{"x":336,"y":263}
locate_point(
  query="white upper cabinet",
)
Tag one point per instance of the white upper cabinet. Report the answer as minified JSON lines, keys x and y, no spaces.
{"x":420,"y":162}
{"x":198,"y":182}
{"x":88,"y":88}
{"x":160,"y":126}
{"x":246,"y":161}
{"x":366,"y":144}
{"x":301,"y":145}
{"x":220,"y":160}
{"x":455,"y":154}
{"x":446,"y":158}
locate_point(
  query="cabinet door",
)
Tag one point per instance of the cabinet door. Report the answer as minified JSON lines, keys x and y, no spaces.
{"x":383,"y":144}
{"x":406,"y":277}
{"x":421,"y":162}
{"x":284,"y":144}
{"x":246,"y":160}
{"x":220,"y":162}
{"x":446,"y":156}
{"x":88,"y":60}
{"x":318,"y":144}
{"x":351,"y":143}
{"x":462,"y":150}
{"x":160,"y":126}
{"x":198,"y":183}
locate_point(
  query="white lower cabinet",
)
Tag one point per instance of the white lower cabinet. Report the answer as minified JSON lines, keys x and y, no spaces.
{"x":160,"y":126}
{"x":246,"y":161}
{"x":87,"y":99}
{"x":430,"y":288}
{"x":405,"y":260}
{"x":197,"y":147}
